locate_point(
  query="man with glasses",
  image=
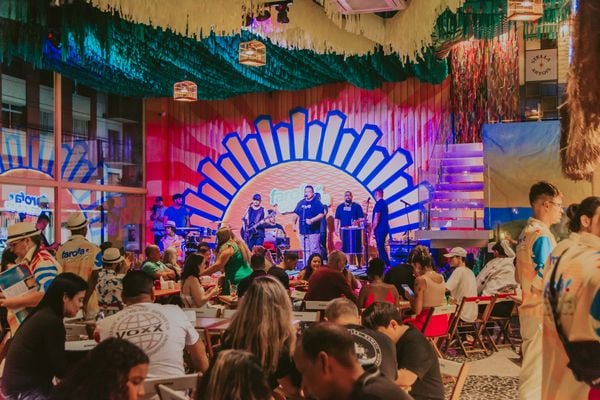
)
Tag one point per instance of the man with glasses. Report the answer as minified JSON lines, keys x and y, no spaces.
{"x":533,"y":249}
{"x":25,"y":241}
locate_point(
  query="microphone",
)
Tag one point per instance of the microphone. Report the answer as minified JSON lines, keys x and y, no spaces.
{"x":368,"y":199}
{"x":406,"y":204}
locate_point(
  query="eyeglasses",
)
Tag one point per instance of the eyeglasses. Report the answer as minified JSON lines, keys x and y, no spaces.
{"x":559,"y":205}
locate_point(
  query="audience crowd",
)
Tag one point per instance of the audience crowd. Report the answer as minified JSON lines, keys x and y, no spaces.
{"x":365,"y":347}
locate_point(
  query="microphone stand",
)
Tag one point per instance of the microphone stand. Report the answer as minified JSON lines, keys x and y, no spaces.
{"x":303,"y":235}
{"x":408,"y":221}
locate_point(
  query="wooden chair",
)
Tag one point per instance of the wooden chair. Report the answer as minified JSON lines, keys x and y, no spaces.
{"x":310,"y":305}
{"x":501,"y":321}
{"x":166,"y":393}
{"x":306,"y":318}
{"x":228,"y":313}
{"x":448,"y":310}
{"x":179,"y":383}
{"x":458,"y":371}
{"x":475,"y":328}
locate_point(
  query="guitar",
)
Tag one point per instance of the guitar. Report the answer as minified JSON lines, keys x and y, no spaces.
{"x":248,"y":232}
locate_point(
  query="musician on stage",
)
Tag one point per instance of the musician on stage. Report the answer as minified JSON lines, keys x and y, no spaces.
{"x":381,"y":225}
{"x":271,"y":223}
{"x":254,"y":218}
{"x":347,"y":212}
{"x":309,"y":213}
{"x":172,"y":239}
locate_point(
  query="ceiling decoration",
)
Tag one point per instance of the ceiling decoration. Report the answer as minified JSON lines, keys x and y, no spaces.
{"x":141,"y":48}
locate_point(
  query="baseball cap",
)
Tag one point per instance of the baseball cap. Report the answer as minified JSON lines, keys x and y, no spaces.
{"x":256,"y":197}
{"x":456,"y":251}
{"x":159,"y":198}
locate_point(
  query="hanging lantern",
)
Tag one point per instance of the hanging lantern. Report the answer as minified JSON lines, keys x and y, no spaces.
{"x":185,"y":91}
{"x":252,"y":53}
{"x":529,"y":11}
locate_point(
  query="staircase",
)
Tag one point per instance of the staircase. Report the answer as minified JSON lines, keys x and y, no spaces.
{"x":456,"y":206}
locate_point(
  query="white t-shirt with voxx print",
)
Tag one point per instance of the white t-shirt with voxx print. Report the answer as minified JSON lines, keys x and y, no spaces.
{"x":162,"y":331}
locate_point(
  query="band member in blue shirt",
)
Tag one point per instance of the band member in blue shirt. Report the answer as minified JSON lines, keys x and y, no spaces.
{"x":309,"y":213}
{"x":381,"y":225}
{"x":347,"y":212}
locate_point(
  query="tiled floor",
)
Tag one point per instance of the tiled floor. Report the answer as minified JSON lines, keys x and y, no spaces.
{"x":492,"y":378}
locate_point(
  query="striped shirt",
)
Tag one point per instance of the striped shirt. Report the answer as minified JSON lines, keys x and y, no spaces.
{"x":43,"y":266}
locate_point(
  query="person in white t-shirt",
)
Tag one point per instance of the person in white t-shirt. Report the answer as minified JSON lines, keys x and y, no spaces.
{"x":462,"y":283}
{"x":162,"y":331}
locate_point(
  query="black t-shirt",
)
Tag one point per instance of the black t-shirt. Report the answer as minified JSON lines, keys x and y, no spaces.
{"x":36,"y":354}
{"x":281,"y":275}
{"x":245,"y":283}
{"x":401,"y":274}
{"x":415,"y":354}
{"x":374,"y":349}
{"x":373,"y":386}
{"x":306,"y":209}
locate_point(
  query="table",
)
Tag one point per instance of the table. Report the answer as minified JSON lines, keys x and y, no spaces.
{"x":229,"y":301}
{"x":80,"y":345}
{"x":167,"y":292}
{"x":210,"y":323}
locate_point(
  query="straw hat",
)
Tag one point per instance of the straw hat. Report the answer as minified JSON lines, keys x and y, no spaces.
{"x":171,"y":224}
{"x":76,"y":221}
{"x":112,"y":255}
{"x":20,"y":231}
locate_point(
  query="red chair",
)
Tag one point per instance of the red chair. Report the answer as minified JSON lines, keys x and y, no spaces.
{"x":434,"y":336}
{"x":475,"y":328}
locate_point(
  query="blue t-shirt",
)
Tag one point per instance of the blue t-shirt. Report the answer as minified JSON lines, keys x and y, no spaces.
{"x":384,"y":224}
{"x":306,"y":209}
{"x":177,"y":215}
{"x":348,"y":213}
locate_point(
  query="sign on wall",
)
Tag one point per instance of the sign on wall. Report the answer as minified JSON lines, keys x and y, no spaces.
{"x":541,"y":65}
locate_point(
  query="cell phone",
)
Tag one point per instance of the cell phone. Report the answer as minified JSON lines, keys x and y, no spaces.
{"x":408,"y":290}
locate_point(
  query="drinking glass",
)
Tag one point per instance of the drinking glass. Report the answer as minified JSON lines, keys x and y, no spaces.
{"x":232,"y":289}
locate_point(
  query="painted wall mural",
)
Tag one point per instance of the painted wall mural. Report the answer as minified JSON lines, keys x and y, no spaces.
{"x":336,"y":138}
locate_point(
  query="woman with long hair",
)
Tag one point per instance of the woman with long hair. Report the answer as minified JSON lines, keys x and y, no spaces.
{"x":430,"y":291}
{"x":314,"y":262}
{"x":37,"y":352}
{"x":377,"y":290}
{"x":235,"y":374}
{"x":114,"y":370}
{"x":571,"y":288}
{"x":192,"y":292}
{"x":263,"y":326}
{"x":233,"y":257}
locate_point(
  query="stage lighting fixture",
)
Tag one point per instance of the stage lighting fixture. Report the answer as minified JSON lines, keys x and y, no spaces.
{"x":282,"y":13}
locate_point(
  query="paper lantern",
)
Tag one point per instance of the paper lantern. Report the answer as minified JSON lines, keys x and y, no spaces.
{"x":529,"y":11}
{"x":185,"y":91}
{"x":253,"y":53}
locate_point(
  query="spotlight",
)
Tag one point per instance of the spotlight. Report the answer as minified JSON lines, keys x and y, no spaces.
{"x":263,"y":15}
{"x":282,"y":11}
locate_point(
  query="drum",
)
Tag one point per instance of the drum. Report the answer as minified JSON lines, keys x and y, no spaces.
{"x":352,"y":240}
{"x":283,"y":243}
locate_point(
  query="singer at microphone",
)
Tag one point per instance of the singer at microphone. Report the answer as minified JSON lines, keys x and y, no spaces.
{"x":347,"y":213}
{"x":309,"y":212}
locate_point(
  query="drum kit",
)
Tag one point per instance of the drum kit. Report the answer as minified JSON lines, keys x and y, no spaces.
{"x":194,"y":236}
{"x":276,"y":240}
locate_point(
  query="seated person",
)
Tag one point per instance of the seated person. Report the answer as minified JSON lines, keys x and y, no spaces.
{"x":401,"y":274}
{"x":418,"y":366}
{"x":498,"y":275}
{"x":260,"y":250}
{"x":162,"y":331}
{"x":289,"y":262}
{"x":462,"y":283}
{"x":326,"y":357}
{"x":312,"y":265}
{"x":429,"y":292}
{"x":192,"y":292}
{"x":258,"y":265}
{"x":154,"y":267}
{"x":328,"y":282}
{"x":373,"y":349}
{"x":376,"y":289}
{"x":110,"y":283}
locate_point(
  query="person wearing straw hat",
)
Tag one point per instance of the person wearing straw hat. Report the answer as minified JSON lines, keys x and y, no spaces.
{"x":110,"y":283}
{"x":25,"y":241}
{"x":83,"y":258}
